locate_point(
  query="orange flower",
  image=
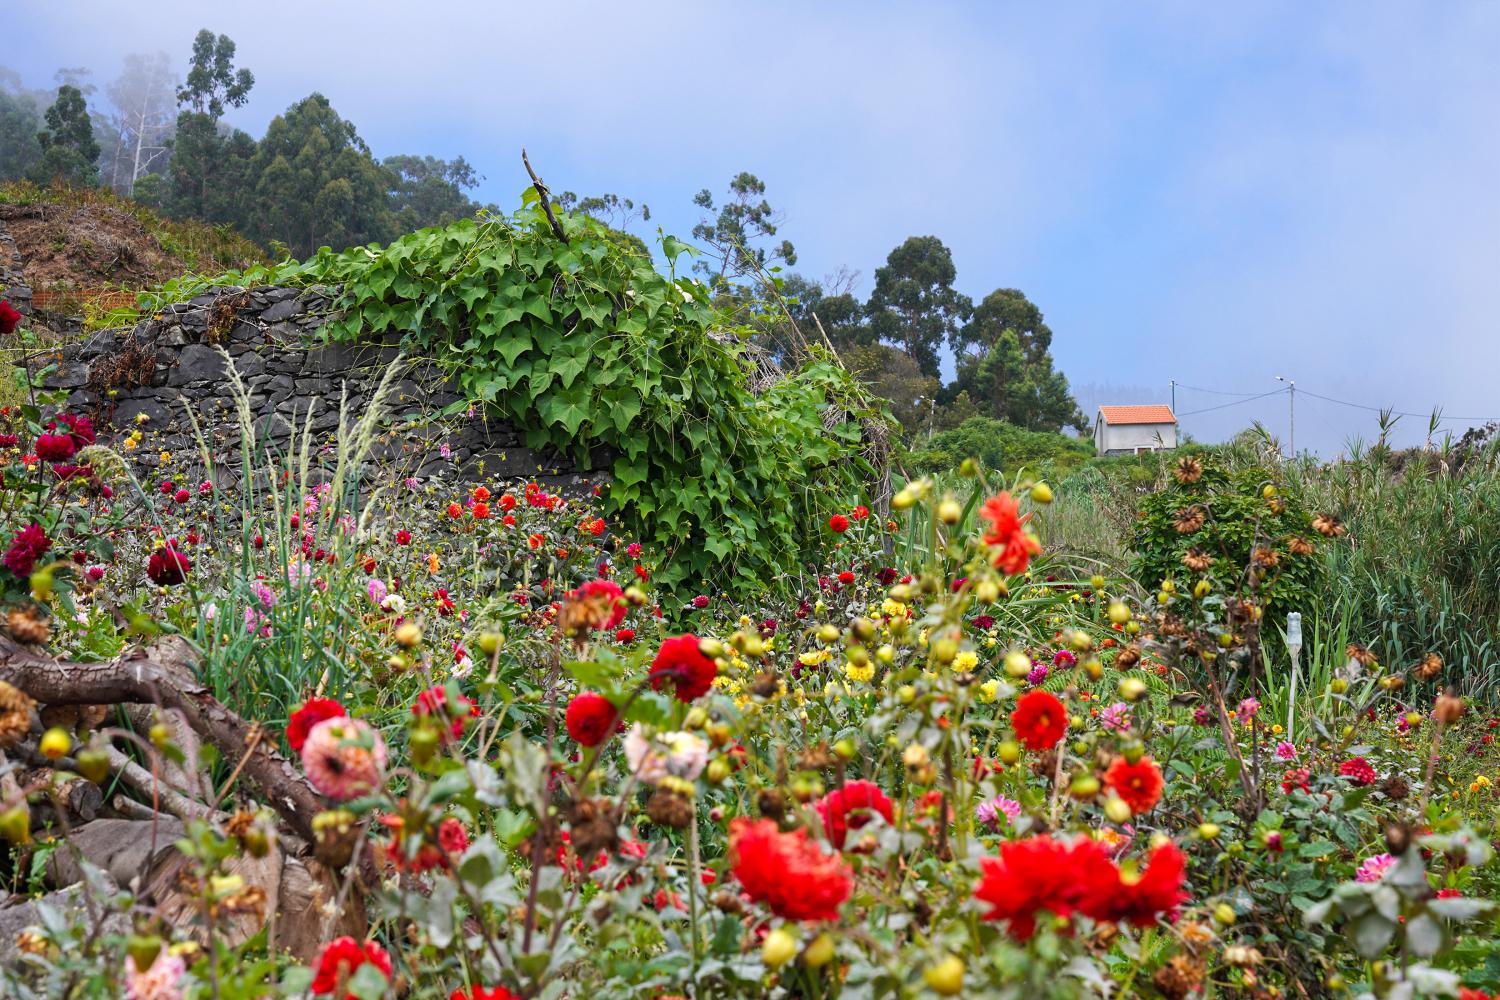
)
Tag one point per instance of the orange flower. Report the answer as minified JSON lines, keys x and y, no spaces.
{"x":1014,"y":545}
{"x":432,"y":562}
{"x":480,"y":510}
{"x":536,"y":541}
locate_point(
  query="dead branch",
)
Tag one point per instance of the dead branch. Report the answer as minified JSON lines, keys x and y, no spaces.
{"x":164,"y":676}
{"x":541,"y":189}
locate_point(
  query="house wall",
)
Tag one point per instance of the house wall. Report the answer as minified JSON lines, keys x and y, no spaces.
{"x":1126,"y":438}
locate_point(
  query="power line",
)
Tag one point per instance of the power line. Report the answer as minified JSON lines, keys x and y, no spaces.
{"x":1237,"y":402}
{"x":1216,"y":392}
{"x":1250,"y":397}
{"x":1399,"y":413}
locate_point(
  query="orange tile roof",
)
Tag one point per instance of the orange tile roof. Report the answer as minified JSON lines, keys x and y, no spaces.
{"x":1156,"y":413}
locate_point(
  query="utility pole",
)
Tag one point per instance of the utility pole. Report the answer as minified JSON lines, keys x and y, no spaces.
{"x":1174,"y":397}
{"x":1291,"y":414}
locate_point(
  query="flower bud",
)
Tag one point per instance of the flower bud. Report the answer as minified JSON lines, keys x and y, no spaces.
{"x":408,"y":634}
{"x":1041,"y":493}
{"x":778,"y":948}
{"x":945,"y":978}
{"x":820,"y":952}
{"x":55,"y":743}
{"x":1132,"y":688}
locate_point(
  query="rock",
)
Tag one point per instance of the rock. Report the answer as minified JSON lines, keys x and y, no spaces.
{"x":282,"y":310}
{"x":197,"y":362}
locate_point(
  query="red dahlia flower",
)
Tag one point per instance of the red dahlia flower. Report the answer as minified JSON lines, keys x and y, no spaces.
{"x":1038,"y":875}
{"x":434,"y":701}
{"x":341,"y":957}
{"x":483,"y":993}
{"x":1358,"y":770}
{"x":792,"y":875}
{"x":312,"y":712}
{"x":590,"y":718}
{"x":608,"y":597}
{"x":167,"y":566}
{"x":851,"y":807}
{"x":1014,"y":545}
{"x":1040,"y":720}
{"x":1139,"y":898}
{"x":1138,"y":785}
{"x":10,"y":318}
{"x":838,"y":523}
{"x":682,"y":664}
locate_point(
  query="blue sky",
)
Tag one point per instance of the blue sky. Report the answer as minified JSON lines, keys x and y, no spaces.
{"x":1213,"y":193}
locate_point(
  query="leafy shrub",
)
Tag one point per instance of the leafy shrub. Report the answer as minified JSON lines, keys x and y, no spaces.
{"x":1002,"y":446}
{"x":1229,"y":528}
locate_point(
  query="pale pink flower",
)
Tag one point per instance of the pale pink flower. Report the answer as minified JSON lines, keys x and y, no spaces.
{"x":344,"y":758}
{"x":160,"y":982}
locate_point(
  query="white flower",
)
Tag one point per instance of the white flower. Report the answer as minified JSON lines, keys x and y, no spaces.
{"x":394,"y":603}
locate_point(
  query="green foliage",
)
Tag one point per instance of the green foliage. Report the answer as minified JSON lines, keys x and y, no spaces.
{"x":1000,"y":445}
{"x":213,"y":84}
{"x":584,"y":344}
{"x":1237,"y":518}
{"x":69,"y":151}
{"x":19,"y":123}
{"x":426,"y":191}
{"x":914,"y":304}
{"x":316,"y":183}
{"x":742,"y":220}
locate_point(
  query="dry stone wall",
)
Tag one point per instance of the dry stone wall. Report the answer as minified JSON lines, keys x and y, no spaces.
{"x":173,"y":360}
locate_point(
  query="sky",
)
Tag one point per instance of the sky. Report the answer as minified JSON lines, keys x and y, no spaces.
{"x":1207,"y":193}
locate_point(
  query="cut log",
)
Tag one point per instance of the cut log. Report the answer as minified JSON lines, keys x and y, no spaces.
{"x":163,"y":675}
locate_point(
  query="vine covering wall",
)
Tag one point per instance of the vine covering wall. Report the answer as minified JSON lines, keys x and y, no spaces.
{"x":573,"y":335}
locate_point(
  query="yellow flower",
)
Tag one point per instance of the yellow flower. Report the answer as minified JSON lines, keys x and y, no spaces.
{"x":813,"y":657}
{"x":1276,"y":729}
{"x":166,"y":458}
{"x":991,"y":642}
{"x":989,"y":691}
{"x":966,"y":661}
{"x":860,"y":674}
{"x":893,"y":608}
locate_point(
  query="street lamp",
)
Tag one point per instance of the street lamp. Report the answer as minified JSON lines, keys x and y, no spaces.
{"x":1292,"y":418}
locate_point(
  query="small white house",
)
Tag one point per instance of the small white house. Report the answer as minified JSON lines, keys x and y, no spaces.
{"x":1130,"y":430}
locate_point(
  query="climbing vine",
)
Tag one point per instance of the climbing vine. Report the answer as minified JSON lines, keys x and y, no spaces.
{"x":583,"y":342}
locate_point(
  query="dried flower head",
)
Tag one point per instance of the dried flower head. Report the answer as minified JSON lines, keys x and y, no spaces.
{"x":27,"y":626}
{"x":1189,"y":520}
{"x":1430,"y":666}
{"x":1299,"y":546}
{"x":1264,"y":556}
{"x":15,"y":715}
{"x":1328,"y":526}
{"x":1360,"y":654}
{"x":1189,"y":470}
{"x":1197,"y":560}
{"x":1448,"y":709}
